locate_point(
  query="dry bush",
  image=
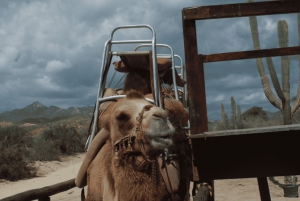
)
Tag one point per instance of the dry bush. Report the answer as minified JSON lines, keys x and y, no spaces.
{"x":15,"y":154}
{"x":44,"y":150}
{"x":58,"y":140}
{"x":254,"y":117}
{"x":18,"y":149}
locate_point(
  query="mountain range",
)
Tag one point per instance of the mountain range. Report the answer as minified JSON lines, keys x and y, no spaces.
{"x":39,"y":113}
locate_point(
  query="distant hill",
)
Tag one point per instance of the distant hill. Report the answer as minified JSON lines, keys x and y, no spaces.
{"x":39,"y":113}
{"x":273,"y":115}
{"x":255,"y":112}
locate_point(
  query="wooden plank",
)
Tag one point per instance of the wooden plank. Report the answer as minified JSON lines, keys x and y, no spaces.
{"x":251,"y":54}
{"x":263,"y":130}
{"x":42,"y":193}
{"x":241,"y":10}
{"x":247,"y":156}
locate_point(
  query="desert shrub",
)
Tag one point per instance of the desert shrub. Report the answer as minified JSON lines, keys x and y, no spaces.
{"x":14,"y":154}
{"x":14,"y":135}
{"x":44,"y":150}
{"x":58,"y":140}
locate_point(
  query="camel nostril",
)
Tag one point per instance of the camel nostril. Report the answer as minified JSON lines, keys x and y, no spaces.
{"x":160,"y":114}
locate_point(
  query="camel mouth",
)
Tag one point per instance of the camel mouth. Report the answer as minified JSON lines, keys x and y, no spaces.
{"x":161,"y":141}
{"x":165,"y":137}
{"x":162,"y":138}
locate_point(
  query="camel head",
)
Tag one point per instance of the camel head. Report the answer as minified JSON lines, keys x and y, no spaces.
{"x":135,"y":116}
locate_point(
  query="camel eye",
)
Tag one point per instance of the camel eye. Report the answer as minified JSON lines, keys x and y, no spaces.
{"x":122,"y":116}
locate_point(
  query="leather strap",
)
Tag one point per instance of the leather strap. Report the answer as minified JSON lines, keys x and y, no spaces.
{"x":170,"y":173}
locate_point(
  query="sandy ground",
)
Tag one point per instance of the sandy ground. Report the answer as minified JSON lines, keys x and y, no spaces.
{"x":246,"y":189}
{"x":55,"y":172}
{"x":49,"y":173}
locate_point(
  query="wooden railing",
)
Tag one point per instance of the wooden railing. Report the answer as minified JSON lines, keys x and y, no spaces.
{"x":42,"y":194}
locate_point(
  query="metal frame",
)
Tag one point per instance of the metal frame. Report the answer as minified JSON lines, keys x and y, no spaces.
{"x":103,"y":76}
{"x":149,"y":43}
{"x":182,"y":68}
{"x":197,"y":96}
{"x":172,"y":56}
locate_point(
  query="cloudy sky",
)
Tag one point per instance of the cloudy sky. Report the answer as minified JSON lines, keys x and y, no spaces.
{"x":51,"y":51}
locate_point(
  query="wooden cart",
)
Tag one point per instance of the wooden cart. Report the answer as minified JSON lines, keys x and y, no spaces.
{"x":258,"y":153}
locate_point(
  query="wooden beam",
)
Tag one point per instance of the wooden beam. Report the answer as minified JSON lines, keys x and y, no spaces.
{"x":263,"y":130}
{"x":251,"y":54}
{"x":42,"y":193}
{"x":247,"y":156}
{"x":241,"y":10}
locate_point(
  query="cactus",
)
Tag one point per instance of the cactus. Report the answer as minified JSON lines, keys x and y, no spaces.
{"x":239,"y":122}
{"x":236,"y":118}
{"x":224,"y":118}
{"x":283,"y":93}
{"x":233,"y":113}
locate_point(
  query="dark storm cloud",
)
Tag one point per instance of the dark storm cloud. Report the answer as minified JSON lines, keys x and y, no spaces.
{"x":51,"y":51}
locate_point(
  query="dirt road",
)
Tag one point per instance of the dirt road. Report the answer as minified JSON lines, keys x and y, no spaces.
{"x":55,"y":172}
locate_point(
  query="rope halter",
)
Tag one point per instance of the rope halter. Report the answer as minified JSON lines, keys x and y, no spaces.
{"x":133,"y":154}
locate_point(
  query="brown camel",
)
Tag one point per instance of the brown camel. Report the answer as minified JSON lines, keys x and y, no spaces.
{"x":139,"y":80}
{"x":125,"y":167}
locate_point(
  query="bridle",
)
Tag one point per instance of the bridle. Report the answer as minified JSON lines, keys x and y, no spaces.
{"x":130,"y":149}
{"x":133,"y":154}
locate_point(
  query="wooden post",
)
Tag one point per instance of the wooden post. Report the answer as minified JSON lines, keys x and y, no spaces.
{"x":195,"y":78}
{"x":263,"y":189}
{"x":196,"y":86}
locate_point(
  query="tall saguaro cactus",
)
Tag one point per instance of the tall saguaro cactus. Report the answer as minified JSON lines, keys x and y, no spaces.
{"x":283,"y":93}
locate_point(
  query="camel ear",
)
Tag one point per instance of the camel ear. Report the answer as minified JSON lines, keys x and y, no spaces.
{"x":96,"y":145}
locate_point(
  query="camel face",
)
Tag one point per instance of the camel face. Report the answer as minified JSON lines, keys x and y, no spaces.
{"x":157,"y":131}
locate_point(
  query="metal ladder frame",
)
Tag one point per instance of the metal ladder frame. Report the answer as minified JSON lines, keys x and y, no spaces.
{"x":103,"y":76}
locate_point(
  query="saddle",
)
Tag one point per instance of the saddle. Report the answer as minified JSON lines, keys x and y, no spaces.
{"x":164,"y":68}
